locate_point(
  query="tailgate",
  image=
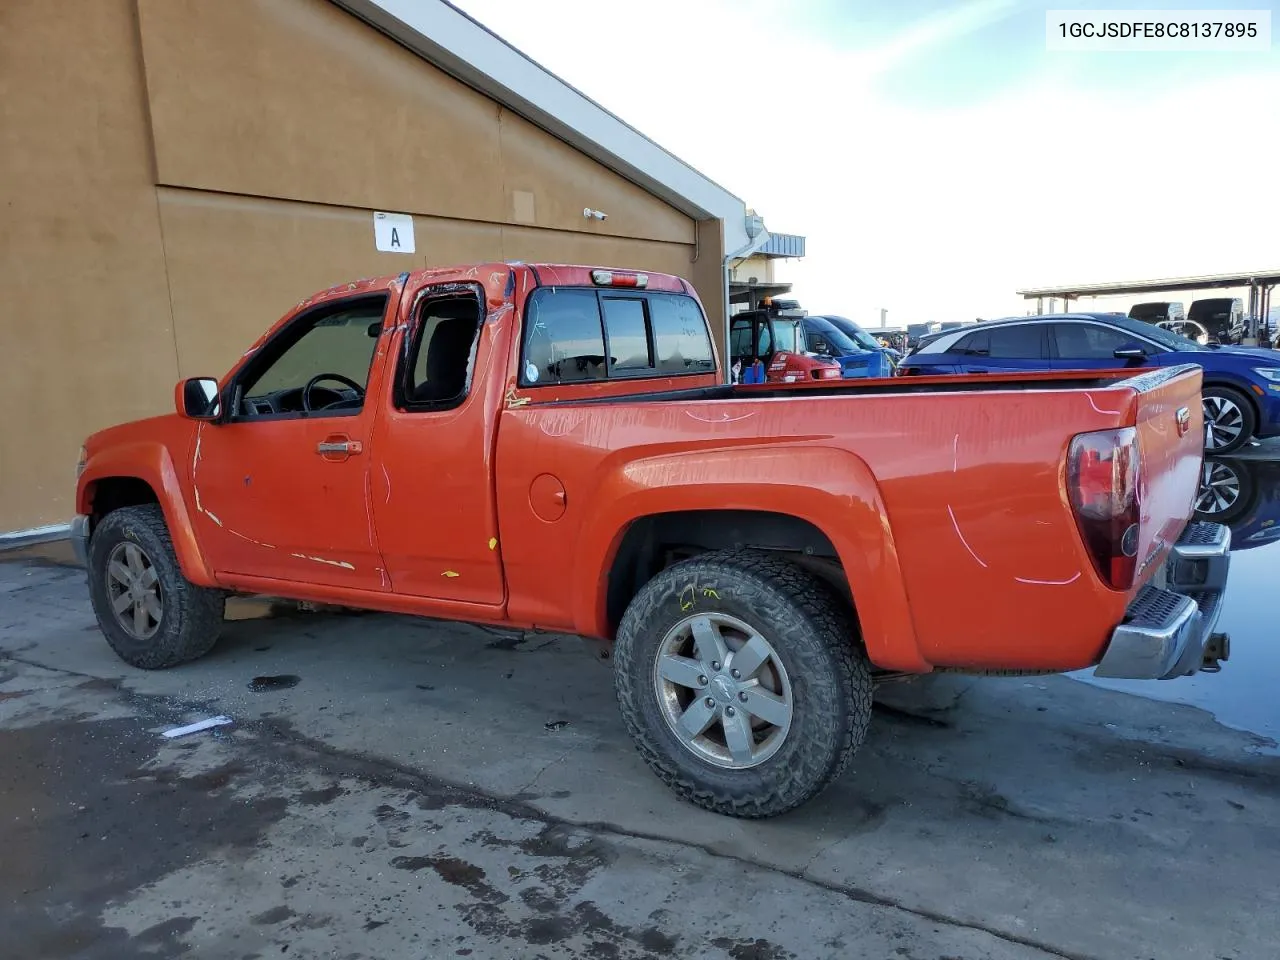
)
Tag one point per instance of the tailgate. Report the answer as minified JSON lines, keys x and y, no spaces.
{"x":1170,"y":425}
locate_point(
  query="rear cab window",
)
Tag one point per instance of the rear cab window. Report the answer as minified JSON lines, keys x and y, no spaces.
{"x":576,"y":334}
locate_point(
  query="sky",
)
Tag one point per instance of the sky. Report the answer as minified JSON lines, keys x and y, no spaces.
{"x":936,"y":157}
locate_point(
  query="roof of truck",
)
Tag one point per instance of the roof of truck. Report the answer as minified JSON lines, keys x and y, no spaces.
{"x":545,"y":275}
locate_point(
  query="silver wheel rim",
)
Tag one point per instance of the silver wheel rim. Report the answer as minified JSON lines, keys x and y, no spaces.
{"x":1219,"y":488}
{"x":1223,"y":422}
{"x":723,"y":691}
{"x":133,"y":590}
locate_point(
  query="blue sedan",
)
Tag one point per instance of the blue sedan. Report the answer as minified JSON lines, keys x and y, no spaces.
{"x":1241,"y":391}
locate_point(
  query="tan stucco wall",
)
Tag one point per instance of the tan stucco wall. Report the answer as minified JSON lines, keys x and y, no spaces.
{"x":176,"y":174}
{"x":85,"y":330}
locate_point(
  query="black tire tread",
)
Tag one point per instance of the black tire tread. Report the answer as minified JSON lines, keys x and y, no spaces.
{"x":193,"y":615}
{"x":818,"y":762}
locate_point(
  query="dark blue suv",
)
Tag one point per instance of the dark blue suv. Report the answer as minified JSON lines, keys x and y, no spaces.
{"x":1241,"y":391}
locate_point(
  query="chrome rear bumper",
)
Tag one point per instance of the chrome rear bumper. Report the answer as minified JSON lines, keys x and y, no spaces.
{"x":1168,"y":629}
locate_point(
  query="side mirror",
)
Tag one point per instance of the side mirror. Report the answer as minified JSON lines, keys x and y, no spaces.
{"x":197,"y":399}
{"x":1130,"y":353}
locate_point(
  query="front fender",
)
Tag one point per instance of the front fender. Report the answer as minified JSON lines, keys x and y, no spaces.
{"x":830,"y":488}
{"x":152,"y":463}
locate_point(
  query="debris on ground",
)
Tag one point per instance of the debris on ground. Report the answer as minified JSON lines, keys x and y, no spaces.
{"x":218,"y":721}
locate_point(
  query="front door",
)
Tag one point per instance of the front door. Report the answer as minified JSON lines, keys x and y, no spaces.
{"x":1082,"y":345}
{"x":281,"y":487}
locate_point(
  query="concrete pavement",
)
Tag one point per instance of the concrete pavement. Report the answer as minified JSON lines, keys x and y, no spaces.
{"x":429,"y":790}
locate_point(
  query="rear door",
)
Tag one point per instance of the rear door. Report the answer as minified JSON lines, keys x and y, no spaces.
{"x":1080,"y":345}
{"x":1004,"y":349}
{"x":432,"y":467}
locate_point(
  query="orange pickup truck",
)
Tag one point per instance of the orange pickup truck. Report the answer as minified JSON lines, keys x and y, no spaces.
{"x":555,"y":447}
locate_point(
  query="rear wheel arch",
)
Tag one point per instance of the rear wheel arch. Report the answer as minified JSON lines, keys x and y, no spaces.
{"x":827,"y":492}
{"x":654,"y":542}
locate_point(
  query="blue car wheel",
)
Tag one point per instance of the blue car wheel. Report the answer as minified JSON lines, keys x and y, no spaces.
{"x":1229,"y":419}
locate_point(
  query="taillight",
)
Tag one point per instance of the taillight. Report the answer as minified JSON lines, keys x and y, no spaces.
{"x":1102,"y":481}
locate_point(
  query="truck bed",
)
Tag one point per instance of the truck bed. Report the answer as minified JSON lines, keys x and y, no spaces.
{"x":948,"y":514}
{"x":952,"y":383}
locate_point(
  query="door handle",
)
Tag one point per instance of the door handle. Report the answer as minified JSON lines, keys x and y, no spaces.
{"x":342,"y":448}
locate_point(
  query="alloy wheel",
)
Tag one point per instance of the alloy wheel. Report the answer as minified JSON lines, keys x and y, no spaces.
{"x":723,"y":690}
{"x":133,"y":588}
{"x":1223,"y":422}
{"x":1219,"y":488}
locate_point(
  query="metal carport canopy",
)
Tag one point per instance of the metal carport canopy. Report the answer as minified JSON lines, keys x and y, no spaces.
{"x":1208,"y":282}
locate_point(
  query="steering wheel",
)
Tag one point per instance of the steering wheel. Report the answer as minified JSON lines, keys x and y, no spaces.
{"x":336,"y":377}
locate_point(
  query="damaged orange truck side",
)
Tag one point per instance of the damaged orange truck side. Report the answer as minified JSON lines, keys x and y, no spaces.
{"x":556,"y":447}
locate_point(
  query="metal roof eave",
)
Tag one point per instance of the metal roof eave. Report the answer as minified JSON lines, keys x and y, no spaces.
{"x":447,"y":37}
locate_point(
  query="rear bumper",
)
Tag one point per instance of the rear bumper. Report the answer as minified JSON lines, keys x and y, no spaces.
{"x":1168,"y":629}
{"x":79,"y":536}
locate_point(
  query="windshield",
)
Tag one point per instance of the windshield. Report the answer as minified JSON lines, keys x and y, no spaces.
{"x":854,"y":333}
{"x":841,"y":344}
{"x":786,"y":335}
{"x":1166,"y":338}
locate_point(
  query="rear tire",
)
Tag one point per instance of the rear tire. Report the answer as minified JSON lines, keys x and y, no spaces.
{"x":151,"y":615}
{"x":742,"y":764}
{"x":1229,"y":419}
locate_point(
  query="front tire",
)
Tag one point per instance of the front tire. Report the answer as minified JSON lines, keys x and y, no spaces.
{"x":151,"y":615}
{"x":1229,"y":419}
{"x":740,"y":680}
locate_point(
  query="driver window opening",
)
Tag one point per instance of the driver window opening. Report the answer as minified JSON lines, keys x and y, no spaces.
{"x":444,"y":354}
{"x":321,"y":364}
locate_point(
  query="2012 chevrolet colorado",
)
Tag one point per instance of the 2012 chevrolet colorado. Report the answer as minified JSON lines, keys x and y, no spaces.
{"x":554,"y":447}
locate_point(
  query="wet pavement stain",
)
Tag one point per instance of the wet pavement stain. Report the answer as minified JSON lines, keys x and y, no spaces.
{"x":457,"y":872}
{"x":80,"y":793}
{"x":758,"y":949}
{"x":282,"y":682}
{"x":273,"y":916}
